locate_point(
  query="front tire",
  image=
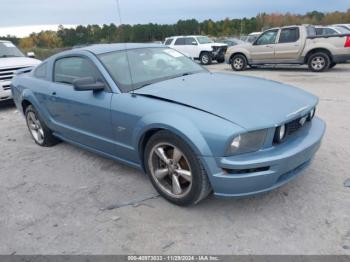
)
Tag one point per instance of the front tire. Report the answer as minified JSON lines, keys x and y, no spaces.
{"x":174,"y":170}
{"x":239,"y":63}
{"x":319,"y":62}
{"x":41,"y":134}
{"x":206,"y":58}
{"x":332,"y":65}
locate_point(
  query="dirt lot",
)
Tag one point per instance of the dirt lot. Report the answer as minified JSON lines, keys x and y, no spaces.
{"x":64,"y":200}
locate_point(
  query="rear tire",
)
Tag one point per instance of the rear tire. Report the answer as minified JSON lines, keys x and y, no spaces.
{"x":239,"y":63}
{"x":206,"y":58}
{"x":174,"y":170}
{"x":41,"y":134}
{"x":319,"y":62}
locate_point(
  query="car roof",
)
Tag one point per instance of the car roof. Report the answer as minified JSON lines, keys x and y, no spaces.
{"x":184,"y":36}
{"x":106,"y":48}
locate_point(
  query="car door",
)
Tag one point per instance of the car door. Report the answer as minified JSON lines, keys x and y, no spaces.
{"x":180,"y":45}
{"x":81,"y":116}
{"x":263,"y":49}
{"x":191,"y":48}
{"x":289,"y":45}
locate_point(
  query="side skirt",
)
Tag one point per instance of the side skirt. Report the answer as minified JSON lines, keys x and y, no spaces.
{"x":101,"y":153}
{"x":274,"y":62}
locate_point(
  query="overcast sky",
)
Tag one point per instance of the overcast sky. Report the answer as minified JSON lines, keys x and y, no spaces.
{"x":54,"y":12}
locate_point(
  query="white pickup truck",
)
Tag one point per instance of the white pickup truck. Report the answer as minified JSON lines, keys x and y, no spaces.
{"x":11,"y":60}
{"x":198,"y":47}
{"x":291,"y":45}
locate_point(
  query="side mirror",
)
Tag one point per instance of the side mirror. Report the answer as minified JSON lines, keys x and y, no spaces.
{"x":31,"y":54}
{"x":88,"y":84}
{"x":194,"y":43}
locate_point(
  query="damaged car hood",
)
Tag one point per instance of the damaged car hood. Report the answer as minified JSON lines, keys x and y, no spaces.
{"x":249,"y":102}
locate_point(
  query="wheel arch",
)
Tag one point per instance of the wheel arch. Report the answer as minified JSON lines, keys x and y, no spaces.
{"x":185,"y":130}
{"x":25,"y":103}
{"x":204,"y":51}
{"x":238,"y":53}
{"x":316,"y":50}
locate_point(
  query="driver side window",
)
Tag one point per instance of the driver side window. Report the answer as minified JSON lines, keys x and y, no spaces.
{"x":69,"y":69}
{"x":267,"y":38}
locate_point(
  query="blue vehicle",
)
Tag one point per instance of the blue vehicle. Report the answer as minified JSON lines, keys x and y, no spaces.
{"x":190,"y":130}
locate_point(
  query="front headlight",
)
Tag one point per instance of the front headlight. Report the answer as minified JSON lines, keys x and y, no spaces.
{"x":311,"y":114}
{"x":280,"y":134}
{"x":247,"y":142}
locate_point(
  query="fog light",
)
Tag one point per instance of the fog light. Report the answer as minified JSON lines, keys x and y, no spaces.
{"x":280,"y":134}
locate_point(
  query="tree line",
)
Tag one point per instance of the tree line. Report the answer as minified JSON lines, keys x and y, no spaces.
{"x":82,"y":35}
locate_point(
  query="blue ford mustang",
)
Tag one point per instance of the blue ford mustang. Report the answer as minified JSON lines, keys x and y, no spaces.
{"x":191,"y":131}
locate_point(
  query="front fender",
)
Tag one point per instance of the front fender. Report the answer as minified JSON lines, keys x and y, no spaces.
{"x":237,"y":50}
{"x":176,"y":124}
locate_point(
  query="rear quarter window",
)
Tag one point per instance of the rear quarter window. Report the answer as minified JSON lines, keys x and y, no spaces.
{"x":41,"y":71}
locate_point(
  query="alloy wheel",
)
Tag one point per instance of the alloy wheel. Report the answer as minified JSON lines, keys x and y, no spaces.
{"x":170,"y":169}
{"x":35,"y":127}
{"x":205,"y":59}
{"x":318,"y":63}
{"x":238,"y":63}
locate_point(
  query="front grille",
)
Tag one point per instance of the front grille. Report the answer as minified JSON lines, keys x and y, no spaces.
{"x":247,"y":171}
{"x":220,"y":49}
{"x":6,"y":87}
{"x":8,"y":73}
{"x":293,"y":126}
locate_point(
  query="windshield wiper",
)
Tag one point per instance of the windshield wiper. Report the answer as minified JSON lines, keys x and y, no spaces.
{"x":163,"y":79}
{"x":3,"y":56}
{"x":147,"y":84}
{"x":187,"y":74}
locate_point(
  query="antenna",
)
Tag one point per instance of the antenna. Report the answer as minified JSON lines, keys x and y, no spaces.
{"x":119,"y":14}
{"x":125,"y":46}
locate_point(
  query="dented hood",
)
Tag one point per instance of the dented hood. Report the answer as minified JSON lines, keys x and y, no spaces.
{"x":249,"y":102}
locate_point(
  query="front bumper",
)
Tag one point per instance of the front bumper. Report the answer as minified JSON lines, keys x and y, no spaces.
{"x":274,"y":166}
{"x":219,"y":53}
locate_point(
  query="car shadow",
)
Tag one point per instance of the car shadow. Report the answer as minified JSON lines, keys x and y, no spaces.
{"x":7,"y":104}
{"x":295,"y":69}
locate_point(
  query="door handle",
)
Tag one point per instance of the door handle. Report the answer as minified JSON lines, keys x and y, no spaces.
{"x":53,"y":93}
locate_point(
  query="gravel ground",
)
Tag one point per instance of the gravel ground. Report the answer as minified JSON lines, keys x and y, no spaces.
{"x":64,"y":200}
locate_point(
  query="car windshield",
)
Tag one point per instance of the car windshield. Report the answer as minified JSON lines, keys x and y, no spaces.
{"x":136,"y":68}
{"x":204,"y":40}
{"x":7,"y":49}
{"x":252,"y":38}
{"x":342,"y":30}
